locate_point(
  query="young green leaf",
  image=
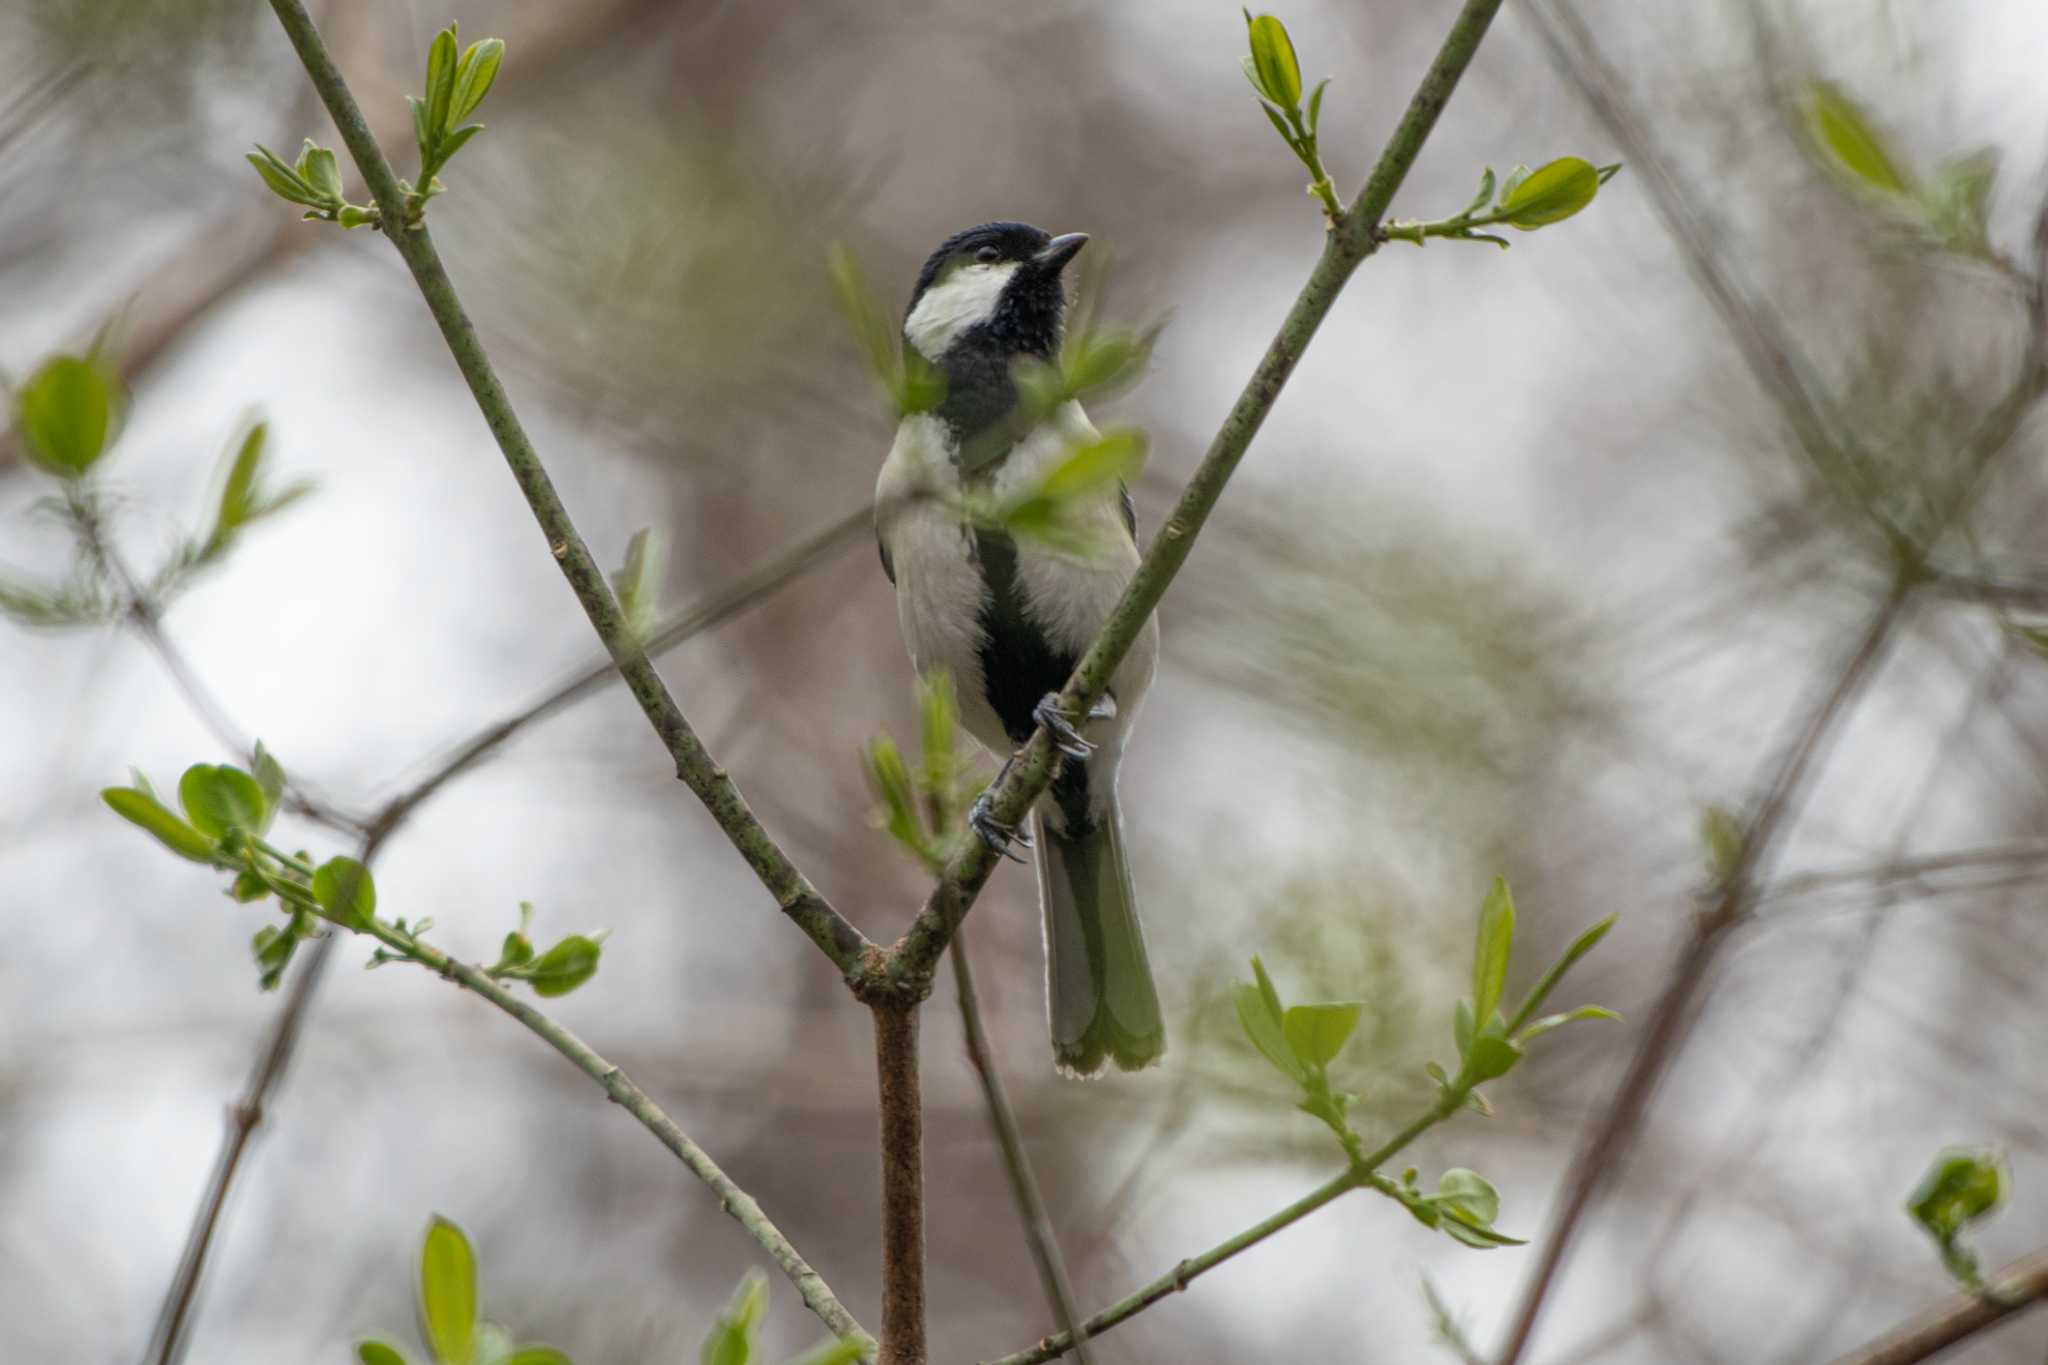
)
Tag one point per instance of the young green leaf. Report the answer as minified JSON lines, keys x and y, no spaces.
{"x":269,"y":776}
{"x":844,"y":1351}
{"x":1490,"y":1057}
{"x":1963,"y":1185}
{"x":448,"y":1293}
{"x":283,"y":180}
{"x":731,"y":1339}
{"x":473,"y":78}
{"x":220,"y":798}
{"x":148,"y":814}
{"x":345,"y":891}
{"x":537,"y":1355}
{"x":1490,"y":951}
{"x":1581,"y":945}
{"x":318,"y":169}
{"x":1259,"y":1014}
{"x":1275,"y":71}
{"x":377,"y":1353}
{"x":440,"y":81}
{"x":1850,"y":142}
{"x":1548,"y":1022}
{"x":272,"y":948}
{"x":1724,"y":836}
{"x":565,"y":966}
{"x":65,"y":414}
{"x":1550,"y":193}
{"x":638,"y":582}
{"x":1461,"y":1026}
{"x":1317,"y":1033}
{"x":890,"y":779}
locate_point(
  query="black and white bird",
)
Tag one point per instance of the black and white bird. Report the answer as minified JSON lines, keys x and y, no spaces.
{"x":1010,"y":617}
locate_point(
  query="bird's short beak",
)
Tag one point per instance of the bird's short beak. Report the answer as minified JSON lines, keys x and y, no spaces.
{"x":1060,"y":250}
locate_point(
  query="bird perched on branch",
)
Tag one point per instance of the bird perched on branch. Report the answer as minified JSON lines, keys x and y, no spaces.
{"x":1009,"y":615}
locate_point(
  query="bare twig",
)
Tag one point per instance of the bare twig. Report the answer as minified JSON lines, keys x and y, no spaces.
{"x":1670,"y":1017}
{"x":896,"y":1078}
{"x":1038,"y":1230}
{"x":2018,"y":1286}
{"x":834,"y":935}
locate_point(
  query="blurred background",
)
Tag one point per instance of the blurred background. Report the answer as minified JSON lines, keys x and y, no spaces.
{"x":1528,"y":569}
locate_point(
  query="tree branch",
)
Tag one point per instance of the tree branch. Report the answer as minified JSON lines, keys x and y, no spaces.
{"x":1600,"y":1155}
{"x":902,"y":1110}
{"x":2020,"y":1285}
{"x":847,"y":947}
{"x":1350,"y":241}
{"x":1038,"y":1231}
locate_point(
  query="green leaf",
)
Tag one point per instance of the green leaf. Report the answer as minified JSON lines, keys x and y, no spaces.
{"x":1724,"y":836}
{"x":517,"y":952}
{"x":318,"y":168}
{"x":1265,"y":1029}
{"x":1581,"y":945}
{"x":731,"y":1340}
{"x":345,"y":891}
{"x":65,"y":414}
{"x":422,"y":133}
{"x":890,"y":778}
{"x":1850,"y":142}
{"x":1539,"y":1027}
{"x":147,"y":813}
{"x":448,"y":1293}
{"x":1277,"y":72}
{"x":238,"y":491}
{"x":1963,"y":1185}
{"x":1490,"y":1057}
{"x":269,"y":776}
{"x":440,"y":81}
{"x":272,"y":948}
{"x":218,"y":799}
{"x":1469,"y":1195}
{"x":1100,"y":465}
{"x":453,"y":143}
{"x":284,"y":182}
{"x":1461,"y":1026}
{"x":1490,"y":951}
{"x":473,"y":80}
{"x":844,"y":1351}
{"x":1480,"y":200}
{"x":248,"y":888}
{"x":638,"y":581}
{"x":1512,"y":183}
{"x":1551,"y":193}
{"x":1961,"y":194}
{"x":377,"y":1353}
{"x":537,"y":1355}
{"x":1315,"y":105}
{"x":565,"y":966}
{"x":1317,"y":1033}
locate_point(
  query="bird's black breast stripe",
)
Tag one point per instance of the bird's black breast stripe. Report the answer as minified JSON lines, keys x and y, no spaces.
{"x":1019,"y":663}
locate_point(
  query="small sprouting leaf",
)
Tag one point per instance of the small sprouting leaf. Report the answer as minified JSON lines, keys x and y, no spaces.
{"x":1511,"y":184}
{"x":1279,"y":124}
{"x":1276,"y":71}
{"x":349,"y":216}
{"x":1470,"y":1194}
{"x":284,"y":182}
{"x":377,"y":1353}
{"x":1538,"y":1027}
{"x":1114,"y":459}
{"x":238,"y":491}
{"x":473,"y":79}
{"x":1853,"y":146}
{"x":565,"y":966}
{"x":147,"y":813}
{"x":1461,"y":1026}
{"x":452,"y":144}
{"x":844,"y":1351}
{"x":440,"y":81}
{"x":1485,"y":195}
{"x":1315,"y":105}
{"x":731,"y":1339}
{"x":1581,"y":945}
{"x":1963,"y":1185}
{"x":318,"y":168}
{"x":448,"y":1293}
{"x":1608,"y":172}
{"x":517,"y":952}
{"x":66,"y":413}
{"x":1960,"y":196}
{"x":220,"y":798}
{"x":345,"y":891}
{"x":1264,"y":1022}
{"x":248,"y":888}
{"x":1550,"y":193}
{"x":1724,"y":836}
{"x":272,"y":948}
{"x":890,"y":778}
{"x":1490,"y":951}
{"x":537,"y":1355}
{"x":638,"y":582}
{"x":269,"y":776}
{"x":1490,"y":1057}
{"x":1317,"y":1033}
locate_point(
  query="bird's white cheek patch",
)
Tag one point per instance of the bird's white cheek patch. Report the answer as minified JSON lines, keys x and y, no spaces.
{"x":964,"y":299}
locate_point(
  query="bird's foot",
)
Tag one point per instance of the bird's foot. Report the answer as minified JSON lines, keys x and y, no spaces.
{"x":993,"y":832}
{"x":1060,"y":725}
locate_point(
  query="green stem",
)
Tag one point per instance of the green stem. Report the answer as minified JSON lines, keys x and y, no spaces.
{"x":1351,"y":239}
{"x":848,"y":948}
{"x":817,"y":1295}
{"x":1363,"y":1173}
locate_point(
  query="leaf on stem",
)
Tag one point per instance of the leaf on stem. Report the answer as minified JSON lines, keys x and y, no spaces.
{"x":144,"y":811}
{"x":66,"y":413}
{"x":448,"y":1292}
{"x":345,"y":891}
{"x":220,"y":798}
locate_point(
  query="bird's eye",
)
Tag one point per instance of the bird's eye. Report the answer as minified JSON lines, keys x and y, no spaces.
{"x":988,"y":255}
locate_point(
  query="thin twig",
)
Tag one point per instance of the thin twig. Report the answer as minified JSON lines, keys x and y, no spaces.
{"x":2026,"y":855}
{"x":1349,"y":242}
{"x":167,"y":1340}
{"x":817,"y":1295}
{"x":845,"y":945}
{"x":1038,"y":1230}
{"x":1600,"y":1154}
{"x":2020,"y":1285}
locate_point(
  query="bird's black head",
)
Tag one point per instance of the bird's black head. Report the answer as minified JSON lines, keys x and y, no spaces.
{"x":996,"y":288}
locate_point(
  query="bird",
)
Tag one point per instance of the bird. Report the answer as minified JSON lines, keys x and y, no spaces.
{"x":1010,"y":616}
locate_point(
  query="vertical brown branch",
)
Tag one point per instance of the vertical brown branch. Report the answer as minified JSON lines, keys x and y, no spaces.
{"x":903,"y":1341}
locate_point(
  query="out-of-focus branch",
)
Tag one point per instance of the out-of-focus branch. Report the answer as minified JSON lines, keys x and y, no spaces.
{"x":2018,"y":1286}
{"x":1038,"y":1230}
{"x":2022,"y":593}
{"x":734,"y":599}
{"x":1601,"y":1153}
{"x":845,"y":945}
{"x":2023,"y":856}
{"x":1351,"y":240}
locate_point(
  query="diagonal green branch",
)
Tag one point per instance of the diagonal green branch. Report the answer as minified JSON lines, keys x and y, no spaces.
{"x":1351,"y":239}
{"x":802,"y":902}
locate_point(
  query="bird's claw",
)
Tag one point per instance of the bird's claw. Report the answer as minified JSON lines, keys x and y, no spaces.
{"x":1065,"y":737}
{"x":993,"y":832}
